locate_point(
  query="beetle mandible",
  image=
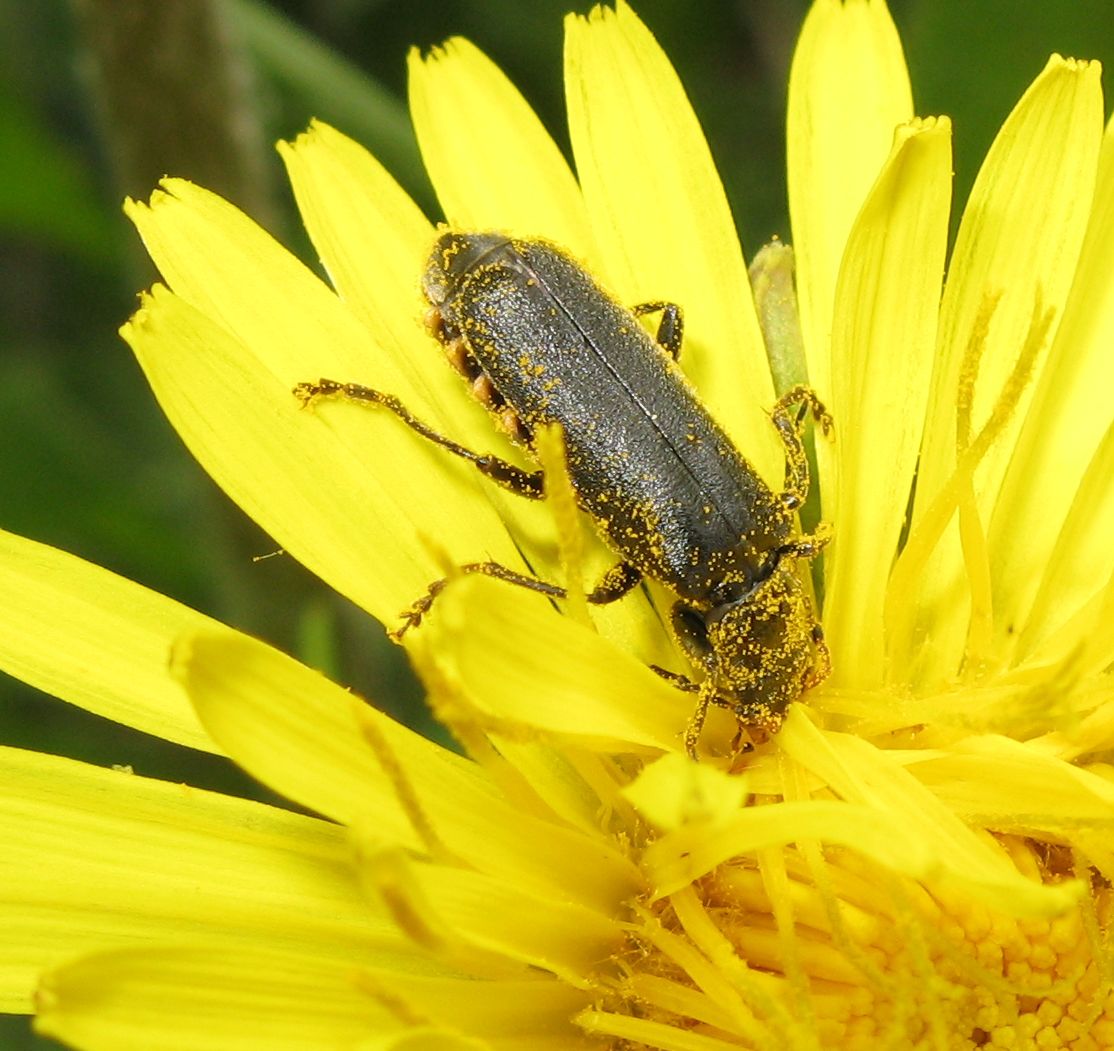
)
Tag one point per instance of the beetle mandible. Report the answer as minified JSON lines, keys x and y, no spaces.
{"x":541,"y":342}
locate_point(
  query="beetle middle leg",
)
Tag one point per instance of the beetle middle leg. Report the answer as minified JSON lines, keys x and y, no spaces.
{"x":671,"y":327}
{"x":790,"y":424}
{"x":524,"y":483}
{"x":615,"y":583}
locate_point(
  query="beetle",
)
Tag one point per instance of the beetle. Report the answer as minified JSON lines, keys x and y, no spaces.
{"x":541,"y":342}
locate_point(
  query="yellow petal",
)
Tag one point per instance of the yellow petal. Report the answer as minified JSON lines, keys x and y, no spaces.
{"x":672,"y":792}
{"x":315,"y":743}
{"x":661,"y":217}
{"x":976,"y":865}
{"x":492,"y":161}
{"x":684,"y":855}
{"x":883,"y":340}
{"x":182,"y":999}
{"x":134,"y":860}
{"x":426,"y":1038}
{"x":1081,"y":563}
{"x":1064,"y":427}
{"x":291,"y":728}
{"x":557,"y":936}
{"x":323,"y":483}
{"x":375,"y":244}
{"x":223,"y":264}
{"x":1014,"y":259}
{"x":1059,"y":667}
{"x":513,"y":661}
{"x":94,"y":639}
{"x":286,"y":328}
{"x":1010,"y":786}
{"x":848,"y":92}
{"x":519,"y":1014}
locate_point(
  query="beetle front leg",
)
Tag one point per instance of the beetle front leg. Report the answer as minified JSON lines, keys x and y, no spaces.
{"x":682,"y":682}
{"x":790,"y":425}
{"x":705,"y":698}
{"x":524,"y":483}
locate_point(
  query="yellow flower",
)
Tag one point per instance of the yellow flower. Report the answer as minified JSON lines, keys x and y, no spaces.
{"x":920,"y":859}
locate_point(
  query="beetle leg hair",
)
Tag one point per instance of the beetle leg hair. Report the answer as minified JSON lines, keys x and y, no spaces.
{"x":824,"y":662}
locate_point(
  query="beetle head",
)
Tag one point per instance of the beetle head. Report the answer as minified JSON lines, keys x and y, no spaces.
{"x":762,"y":647}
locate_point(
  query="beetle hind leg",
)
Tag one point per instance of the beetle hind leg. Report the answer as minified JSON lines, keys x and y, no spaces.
{"x":412,"y":615}
{"x":521,"y":482}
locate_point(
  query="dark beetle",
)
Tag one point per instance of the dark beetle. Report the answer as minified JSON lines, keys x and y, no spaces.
{"x":541,"y":343}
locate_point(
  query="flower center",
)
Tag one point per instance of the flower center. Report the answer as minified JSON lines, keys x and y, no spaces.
{"x":809,"y":950}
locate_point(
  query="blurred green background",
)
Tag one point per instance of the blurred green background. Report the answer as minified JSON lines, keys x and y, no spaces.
{"x":98,"y":98}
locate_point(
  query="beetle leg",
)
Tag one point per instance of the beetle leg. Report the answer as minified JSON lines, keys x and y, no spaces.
{"x":682,"y":682}
{"x":823,"y":666}
{"x":524,"y":483}
{"x":789,"y":426}
{"x":670,"y":328}
{"x":706,"y":696}
{"x":808,"y":546}
{"x":412,"y":616}
{"x":615,"y":583}
{"x":743,"y":742}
